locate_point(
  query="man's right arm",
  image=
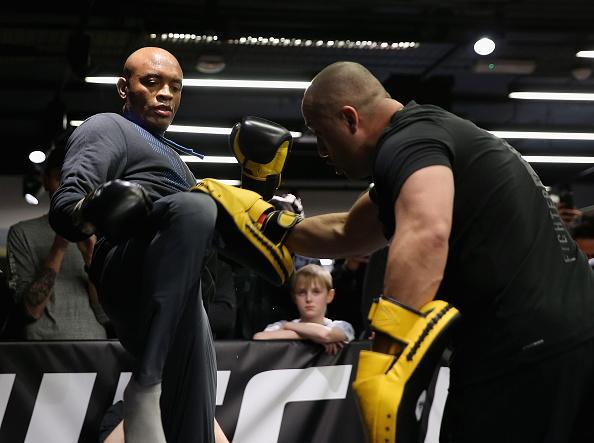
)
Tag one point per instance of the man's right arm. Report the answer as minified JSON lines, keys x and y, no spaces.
{"x":337,"y":235}
{"x":96,"y":153}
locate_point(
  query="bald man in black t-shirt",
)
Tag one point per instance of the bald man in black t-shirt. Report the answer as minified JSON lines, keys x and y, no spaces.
{"x":469,"y":222}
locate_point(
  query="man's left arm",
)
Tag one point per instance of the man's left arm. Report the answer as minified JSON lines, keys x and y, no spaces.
{"x":419,"y":248}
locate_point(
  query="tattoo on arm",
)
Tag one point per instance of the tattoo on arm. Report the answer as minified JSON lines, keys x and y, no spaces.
{"x":41,"y":288}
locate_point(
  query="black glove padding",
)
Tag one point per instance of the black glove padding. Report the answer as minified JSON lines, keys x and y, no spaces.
{"x":261,"y":148}
{"x":115,"y":210}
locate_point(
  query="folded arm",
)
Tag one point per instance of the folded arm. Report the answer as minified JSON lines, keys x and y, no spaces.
{"x":281,"y":334}
{"x":318,"y":333}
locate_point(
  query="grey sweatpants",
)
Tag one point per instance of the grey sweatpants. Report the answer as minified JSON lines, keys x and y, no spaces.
{"x":149,"y":287}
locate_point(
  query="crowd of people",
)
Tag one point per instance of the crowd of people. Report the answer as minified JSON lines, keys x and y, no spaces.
{"x":126,"y":252}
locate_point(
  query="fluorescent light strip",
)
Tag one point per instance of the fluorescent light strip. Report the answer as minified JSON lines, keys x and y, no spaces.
{"x":219,"y":83}
{"x":199,"y":129}
{"x":585,"y":54}
{"x":569,"y":96}
{"x":545,"y":135}
{"x":102,"y":80}
{"x":556,"y":159}
{"x":189,"y":129}
{"x":528,"y":158}
{"x":209,"y":159}
{"x":228,"y":182}
{"x":263,"y":84}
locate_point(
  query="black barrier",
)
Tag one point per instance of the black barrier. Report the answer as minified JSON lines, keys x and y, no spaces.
{"x":268,"y":391}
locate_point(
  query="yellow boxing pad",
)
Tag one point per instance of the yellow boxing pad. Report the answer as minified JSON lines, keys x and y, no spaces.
{"x":388,"y":386}
{"x":252,"y":230}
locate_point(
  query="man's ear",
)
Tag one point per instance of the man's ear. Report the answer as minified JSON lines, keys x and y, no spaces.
{"x":330,"y":296}
{"x":122,"y":86}
{"x":351,"y":117}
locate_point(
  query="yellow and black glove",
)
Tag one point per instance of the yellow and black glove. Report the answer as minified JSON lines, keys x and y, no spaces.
{"x":407,"y":347}
{"x":261,"y":148}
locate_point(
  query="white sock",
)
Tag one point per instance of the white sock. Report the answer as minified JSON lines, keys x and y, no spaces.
{"x":142,"y":414}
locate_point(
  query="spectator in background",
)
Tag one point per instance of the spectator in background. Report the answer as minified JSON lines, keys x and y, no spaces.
{"x":583,"y":234}
{"x":47,"y":276}
{"x":568,"y":211}
{"x":12,"y":319}
{"x":311,"y":291}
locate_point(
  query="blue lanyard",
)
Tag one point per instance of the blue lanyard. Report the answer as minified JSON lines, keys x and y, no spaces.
{"x":178,"y":147}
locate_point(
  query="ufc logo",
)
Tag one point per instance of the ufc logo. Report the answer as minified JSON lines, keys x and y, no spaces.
{"x":63,"y":399}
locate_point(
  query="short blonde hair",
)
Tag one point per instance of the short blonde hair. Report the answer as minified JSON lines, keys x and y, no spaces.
{"x":311,"y":273}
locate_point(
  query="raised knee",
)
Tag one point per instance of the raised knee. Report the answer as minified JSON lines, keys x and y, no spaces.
{"x":206,"y":210}
{"x":197,"y":210}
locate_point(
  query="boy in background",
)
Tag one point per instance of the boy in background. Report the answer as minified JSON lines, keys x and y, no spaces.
{"x":311,"y":291}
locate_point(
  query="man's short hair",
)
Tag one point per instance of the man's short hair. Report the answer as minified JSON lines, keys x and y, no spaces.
{"x":312,"y":272}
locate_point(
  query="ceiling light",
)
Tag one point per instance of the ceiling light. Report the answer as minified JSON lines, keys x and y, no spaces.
{"x":219,"y":83}
{"x":568,"y":96}
{"x":581,"y":70}
{"x":189,"y":129}
{"x":31,"y":199}
{"x":209,"y":159}
{"x":263,"y":84}
{"x":229,"y":182}
{"x":484,"y":46}
{"x":585,"y":54}
{"x":210,"y":63}
{"x":545,"y":135}
{"x":37,"y":157}
{"x":32,"y":188}
{"x":556,"y":159}
{"x":284,"y":41}
{"x":212,"y":130}
{"x":102,"y":80}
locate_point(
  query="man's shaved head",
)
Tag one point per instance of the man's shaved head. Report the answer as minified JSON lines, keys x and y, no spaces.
{"x":339,"y":84}
{"x":150,"y":86}
{"x":347,"y":109}
{"x":148,"y":57}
